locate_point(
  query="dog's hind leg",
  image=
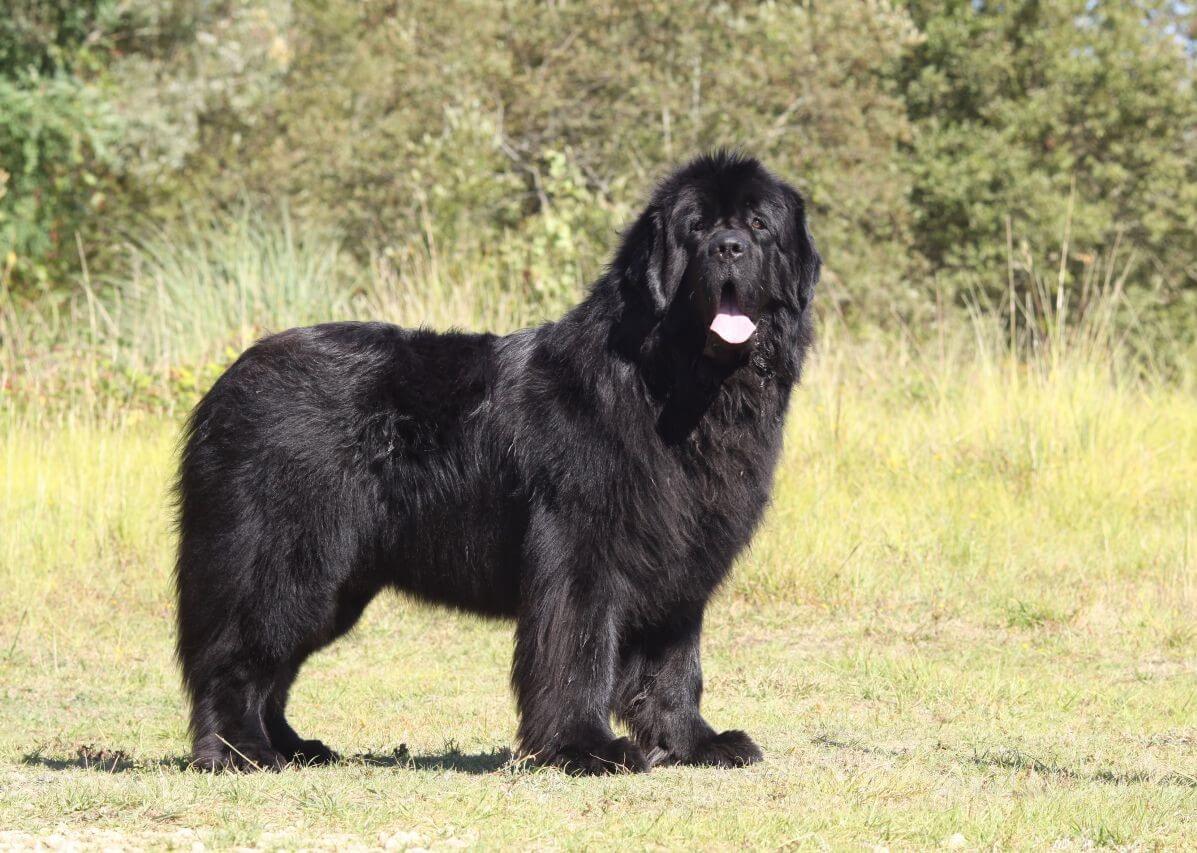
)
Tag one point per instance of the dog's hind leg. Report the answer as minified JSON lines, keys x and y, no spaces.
{"x":227,"y":673}
{"x":228,"y":702}
{"x":283,"y":737}
{"x":240,"y":655}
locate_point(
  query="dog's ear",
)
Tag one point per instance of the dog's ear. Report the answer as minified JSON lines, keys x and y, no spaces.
{"x":807,"y":262}
{"x":648,"y":260}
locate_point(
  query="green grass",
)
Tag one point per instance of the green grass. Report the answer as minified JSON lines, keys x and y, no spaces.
{"x":969,"y":616}
{"x":877,"y":731}
{"x":968,"y":620}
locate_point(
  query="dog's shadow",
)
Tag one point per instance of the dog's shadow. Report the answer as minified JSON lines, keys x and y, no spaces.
{"x":104,"y":761}
{"x":449,"y":759}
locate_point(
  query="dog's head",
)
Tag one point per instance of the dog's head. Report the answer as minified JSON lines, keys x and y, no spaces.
{"x":722,"y":249}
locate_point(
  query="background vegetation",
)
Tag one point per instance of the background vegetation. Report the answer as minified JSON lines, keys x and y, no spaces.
{"x":945,"y":146}
{"x":969,"y":618}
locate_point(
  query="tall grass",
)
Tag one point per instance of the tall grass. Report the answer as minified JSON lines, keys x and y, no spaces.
{"x":191,"y":300}
{"x":195,"y":295}
{"x":1033,"y":469}
{"x":947,"y":484}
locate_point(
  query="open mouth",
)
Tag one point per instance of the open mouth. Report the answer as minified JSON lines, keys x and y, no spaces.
{"x":731,"y":324}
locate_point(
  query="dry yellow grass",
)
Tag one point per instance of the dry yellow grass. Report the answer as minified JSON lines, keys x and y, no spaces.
{"x":968,"y":621}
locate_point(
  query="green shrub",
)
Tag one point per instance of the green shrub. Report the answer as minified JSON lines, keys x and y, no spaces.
{"x":57,"y":139}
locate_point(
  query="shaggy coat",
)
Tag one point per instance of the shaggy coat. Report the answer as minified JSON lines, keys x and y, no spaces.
{"x":593,"y":479}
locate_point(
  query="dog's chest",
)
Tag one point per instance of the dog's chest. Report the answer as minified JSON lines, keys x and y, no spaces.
{"x":705,"y":500}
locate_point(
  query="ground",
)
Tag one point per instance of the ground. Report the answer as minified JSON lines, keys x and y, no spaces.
{"x":876,"y":731}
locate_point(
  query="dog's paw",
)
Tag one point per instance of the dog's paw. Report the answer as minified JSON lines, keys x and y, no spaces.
{"x":616,"y":756}
{"x":727,"y":749}
{"x":308,"y":753}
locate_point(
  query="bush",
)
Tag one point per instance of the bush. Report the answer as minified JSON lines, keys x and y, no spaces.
{"x":57,"y":137}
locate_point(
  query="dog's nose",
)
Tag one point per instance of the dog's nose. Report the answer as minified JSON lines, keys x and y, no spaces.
{"x":726,"y":245}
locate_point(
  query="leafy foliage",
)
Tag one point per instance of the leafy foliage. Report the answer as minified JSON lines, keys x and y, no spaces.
{"x":56,"y":135}
{"x":941,"y":143}
{"x":1073,"y":114}
{"x":57,"y":138}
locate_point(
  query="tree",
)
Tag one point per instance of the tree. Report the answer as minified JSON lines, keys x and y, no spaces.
{"x":1044,"y":113}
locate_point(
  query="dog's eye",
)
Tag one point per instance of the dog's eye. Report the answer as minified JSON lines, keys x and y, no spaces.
{"x":696,"y":225}
{"x":758,"y":223}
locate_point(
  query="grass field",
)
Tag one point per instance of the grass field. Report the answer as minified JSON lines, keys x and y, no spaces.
{"x":969,"y":621}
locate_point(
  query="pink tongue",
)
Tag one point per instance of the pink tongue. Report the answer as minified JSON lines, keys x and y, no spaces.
{"x":731,"y":325}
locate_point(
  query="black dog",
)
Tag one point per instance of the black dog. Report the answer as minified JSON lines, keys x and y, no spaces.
{"x":593,"y":478}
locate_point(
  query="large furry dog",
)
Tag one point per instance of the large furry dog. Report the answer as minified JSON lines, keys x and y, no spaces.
{"x":593,"y":478}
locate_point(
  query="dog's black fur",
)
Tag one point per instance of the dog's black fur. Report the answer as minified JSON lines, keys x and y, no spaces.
{"x":593,"y":478}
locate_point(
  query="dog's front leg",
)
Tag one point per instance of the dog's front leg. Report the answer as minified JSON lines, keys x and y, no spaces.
{"x":658,"y":694}
{"x":564,"y":669}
